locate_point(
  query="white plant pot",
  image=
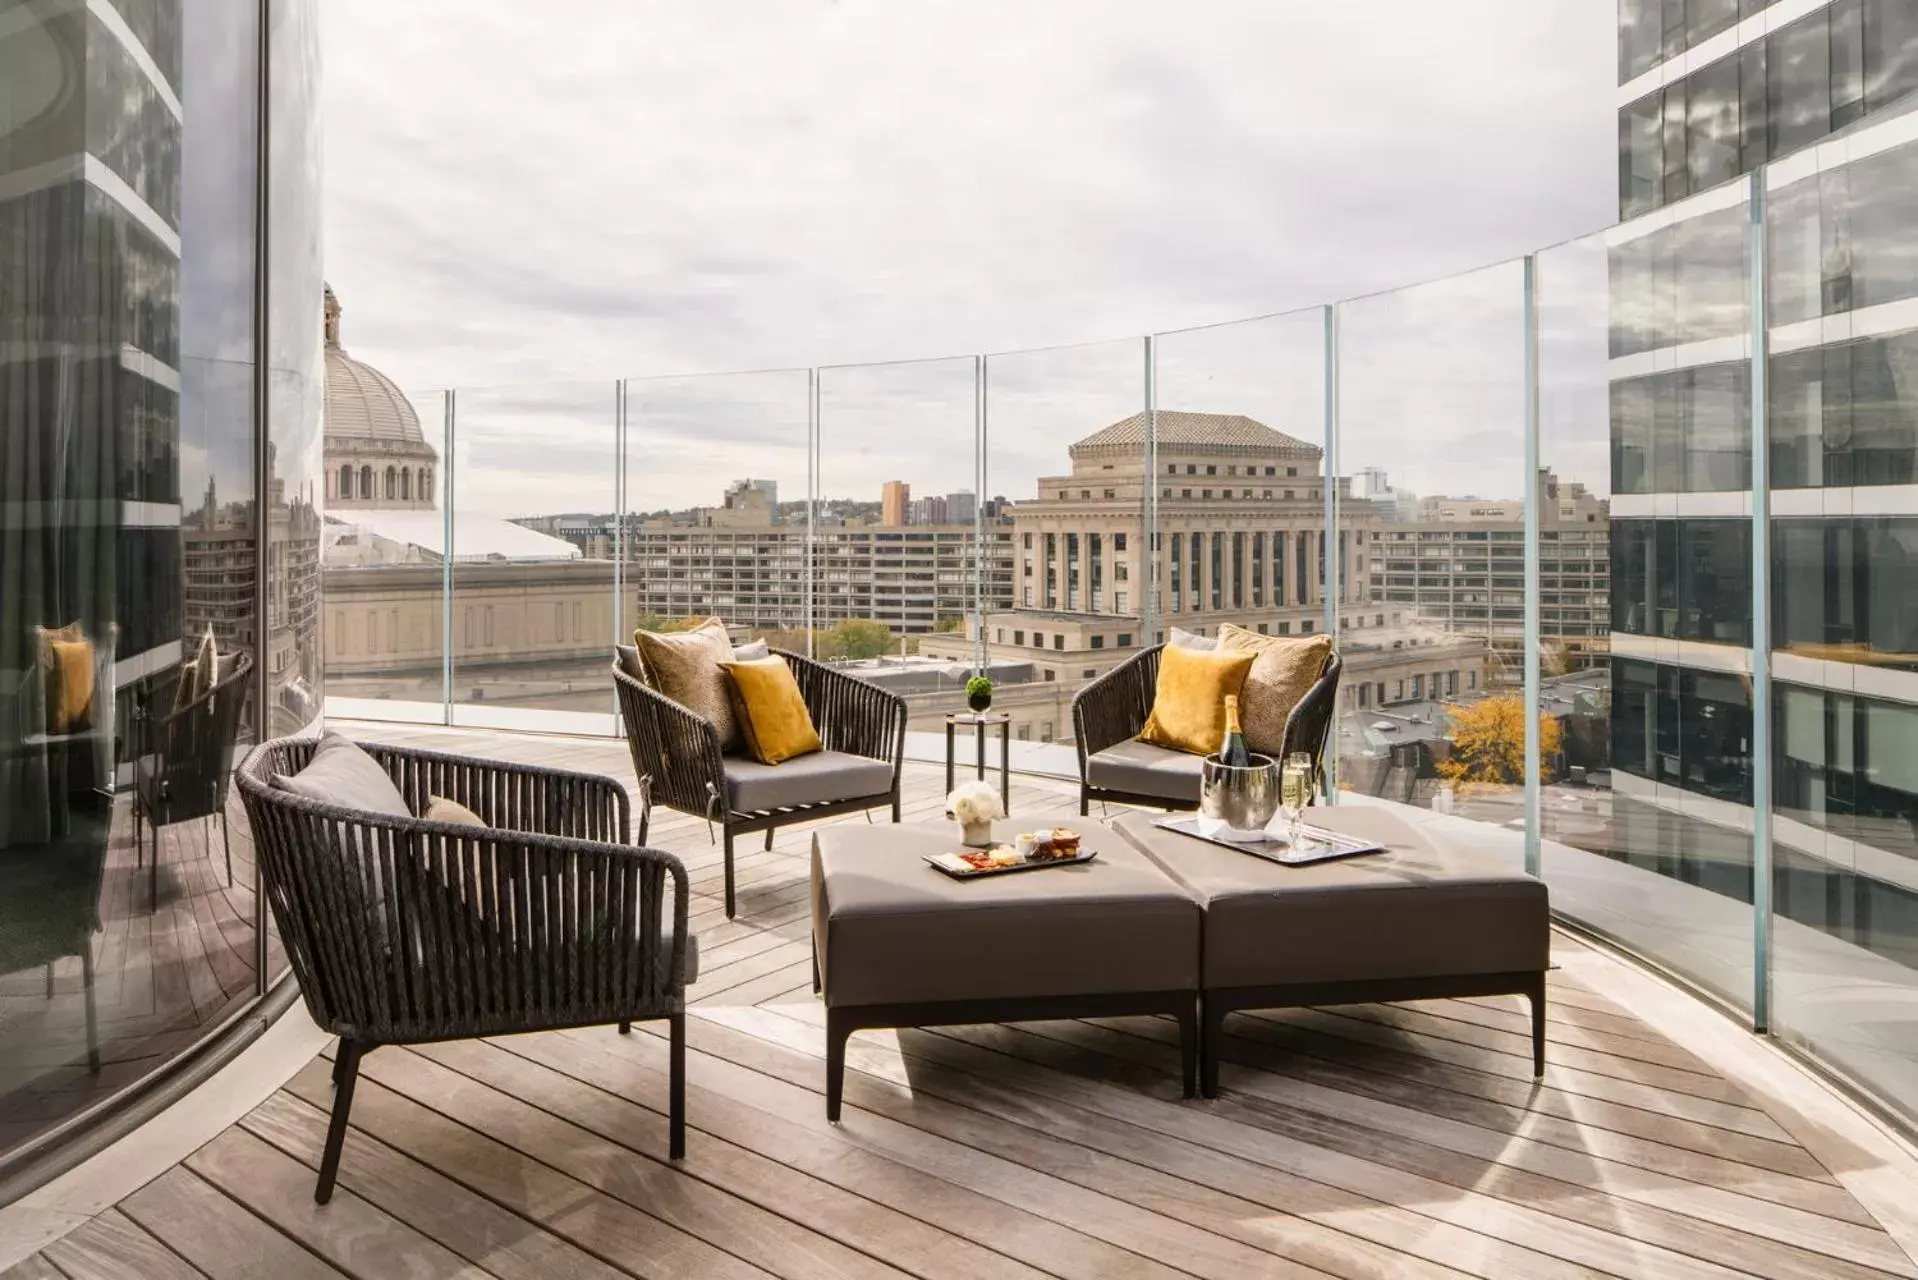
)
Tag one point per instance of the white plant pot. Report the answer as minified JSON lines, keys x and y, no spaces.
{"x":977,"y":835}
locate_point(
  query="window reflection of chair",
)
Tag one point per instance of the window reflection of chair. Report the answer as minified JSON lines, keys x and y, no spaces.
{"x":181,"y":768}
{"x":51,"y":908}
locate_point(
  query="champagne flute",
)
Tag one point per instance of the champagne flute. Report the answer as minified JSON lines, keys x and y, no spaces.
{"x":1295,"y":790}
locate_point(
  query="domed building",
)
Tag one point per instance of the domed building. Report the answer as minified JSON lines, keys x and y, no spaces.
{"x":376,"y":454}
{"x":532,"y":617}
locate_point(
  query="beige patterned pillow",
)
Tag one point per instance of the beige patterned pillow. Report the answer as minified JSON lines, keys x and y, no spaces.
{"x":1283,"y":673}
{"x":684,"y":665}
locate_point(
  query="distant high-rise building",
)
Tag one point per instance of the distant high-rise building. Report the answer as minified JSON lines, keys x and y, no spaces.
{"x":738,"y":489}
{"x":894,"y":499}
{"x":961,"y":507}
{"x":932,"y":510}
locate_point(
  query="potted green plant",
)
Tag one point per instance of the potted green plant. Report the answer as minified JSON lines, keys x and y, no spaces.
{"x":979,"y":693}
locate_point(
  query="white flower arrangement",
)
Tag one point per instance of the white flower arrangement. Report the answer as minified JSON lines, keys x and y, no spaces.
{"x":975,"y":802}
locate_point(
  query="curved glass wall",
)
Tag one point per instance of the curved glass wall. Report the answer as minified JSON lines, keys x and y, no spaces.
{"x":1591,"y":521}
{"x":157,"y":494}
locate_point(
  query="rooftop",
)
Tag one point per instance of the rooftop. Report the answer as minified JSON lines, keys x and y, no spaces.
{"x":1188,"y":431}
{"x":1403,"y":1140}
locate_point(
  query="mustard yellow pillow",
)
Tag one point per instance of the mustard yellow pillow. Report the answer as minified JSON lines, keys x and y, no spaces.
{"x":1284,"y":669}
{"x":70,"y":686}
{"x":1188,"y":705}
{"x":771,"y":715}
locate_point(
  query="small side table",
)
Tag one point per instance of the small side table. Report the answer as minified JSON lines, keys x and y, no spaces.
{"x":980,"y":722}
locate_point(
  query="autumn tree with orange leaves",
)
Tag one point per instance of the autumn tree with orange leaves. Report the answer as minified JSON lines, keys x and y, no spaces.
{"x":1488,"y":742}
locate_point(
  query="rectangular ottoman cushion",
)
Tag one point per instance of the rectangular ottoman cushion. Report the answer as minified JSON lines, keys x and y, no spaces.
{"x":1422,"y":908}
{"x":888,"y":929}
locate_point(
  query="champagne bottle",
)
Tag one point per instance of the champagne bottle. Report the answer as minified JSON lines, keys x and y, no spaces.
{"x":1233,"y":751}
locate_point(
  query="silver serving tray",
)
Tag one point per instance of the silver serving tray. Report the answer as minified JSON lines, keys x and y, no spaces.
{"x":974,"y":873}
{"x":1316,"y":844}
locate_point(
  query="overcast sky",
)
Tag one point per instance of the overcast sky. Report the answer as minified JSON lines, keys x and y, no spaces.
{"x":523,"y":195}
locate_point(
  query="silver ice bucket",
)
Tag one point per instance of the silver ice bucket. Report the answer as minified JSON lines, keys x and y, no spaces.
{"x":1244,"y":799}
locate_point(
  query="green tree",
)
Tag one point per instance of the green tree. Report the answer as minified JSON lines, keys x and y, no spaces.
{"x":856,"y":638}
{"x":944,"y":625}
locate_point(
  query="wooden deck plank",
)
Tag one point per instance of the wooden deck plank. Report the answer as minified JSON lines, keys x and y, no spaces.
{"x":214,"y":1233}
{"x":652,"y":1185}
{"x":608,"y":1228}
{"x":113,"y":1247}
{"x":351,"y":1233}
{"x":479,"y":1230}
{"x":753,"y":1154}
{"x":1645,"y":1204}
{"x":1538,"y":1244}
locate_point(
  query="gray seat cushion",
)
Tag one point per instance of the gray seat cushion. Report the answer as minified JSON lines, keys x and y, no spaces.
{"x":1143,"y":769}
{"x":1421,"y":909}
{"x":891,"y":930}
{"x":818,"y":778}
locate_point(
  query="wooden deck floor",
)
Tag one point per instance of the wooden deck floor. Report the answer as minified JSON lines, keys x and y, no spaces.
{"x":1369,"y":1141}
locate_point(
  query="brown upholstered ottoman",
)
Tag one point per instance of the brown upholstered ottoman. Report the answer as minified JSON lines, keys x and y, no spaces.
{"x":1421,"y":920}
{"x":898,"y":944}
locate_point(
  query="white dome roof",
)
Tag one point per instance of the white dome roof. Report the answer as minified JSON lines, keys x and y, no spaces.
{"x":361,"y":402}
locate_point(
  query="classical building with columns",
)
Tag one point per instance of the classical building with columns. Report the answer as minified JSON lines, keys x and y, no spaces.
{"x":1241,"y":513}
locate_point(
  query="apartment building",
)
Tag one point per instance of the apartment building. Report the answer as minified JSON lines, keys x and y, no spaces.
{"x":1459,"y":566}
{"x":910,"y":577}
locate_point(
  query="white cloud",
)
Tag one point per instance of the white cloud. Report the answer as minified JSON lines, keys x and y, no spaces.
{"x":563,"y":194}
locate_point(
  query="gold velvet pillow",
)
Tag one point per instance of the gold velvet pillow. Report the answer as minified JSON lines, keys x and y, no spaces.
{"x":1188,"y":705}
{"x":685,"y":666}
{"x":772,"y":716}
{"x":1284,"y":669}
{"x":70,"y":686}
{"x":440,"y":809}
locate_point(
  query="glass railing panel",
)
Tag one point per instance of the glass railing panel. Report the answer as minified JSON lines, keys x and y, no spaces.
{"x":533,"y":503}
{"x":896,"y":488}
{"x":1065,"y":536}
{"x":1431,"y":463}
{"x":1644,"y":434}
{"x":1239,"y":474}
{"x":1843,"y":431}
{"x":383,"y":573}
{"x":715,"y":504}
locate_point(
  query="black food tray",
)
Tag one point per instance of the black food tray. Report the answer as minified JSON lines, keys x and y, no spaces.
{"x":977,"y":873}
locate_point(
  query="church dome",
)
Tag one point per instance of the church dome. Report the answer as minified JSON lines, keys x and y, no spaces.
{"x":363,"y":404}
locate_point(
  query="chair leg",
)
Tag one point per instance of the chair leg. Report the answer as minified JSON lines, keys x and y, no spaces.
{"x":1537,"y":996}
{"x":93,"y":1025}
{"x":813,"y":947}
{"x":769,"y":839}
{"x":226,"y":839}
{"x":50,"y":980}
{"x":1085,"y":804}
{"x":895,"y":806}
{"x":836,"y":1033}
{"x":730,"y":904}
{"x":346,"y":1070}
{"x":625,"y":1027}
{"x":676,"y":1088}
{"x":139,"y":847}
{"x":153,"y":872}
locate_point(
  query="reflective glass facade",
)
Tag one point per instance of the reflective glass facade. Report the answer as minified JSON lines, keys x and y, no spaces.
{"x":151,"y":494}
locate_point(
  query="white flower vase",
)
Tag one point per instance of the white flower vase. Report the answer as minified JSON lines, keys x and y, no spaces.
{"x":977,"y":835}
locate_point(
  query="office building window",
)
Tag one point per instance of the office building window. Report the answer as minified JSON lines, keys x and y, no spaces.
{"x":1058,"y":642}
{"x":1098,"y":642}
{"x":1125,"y":639}
{"x":1019,"y":638}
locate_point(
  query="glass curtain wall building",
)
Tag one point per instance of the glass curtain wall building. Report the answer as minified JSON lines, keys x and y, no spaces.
{"x":1815,"y":101}
{"x":159,"y":484}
